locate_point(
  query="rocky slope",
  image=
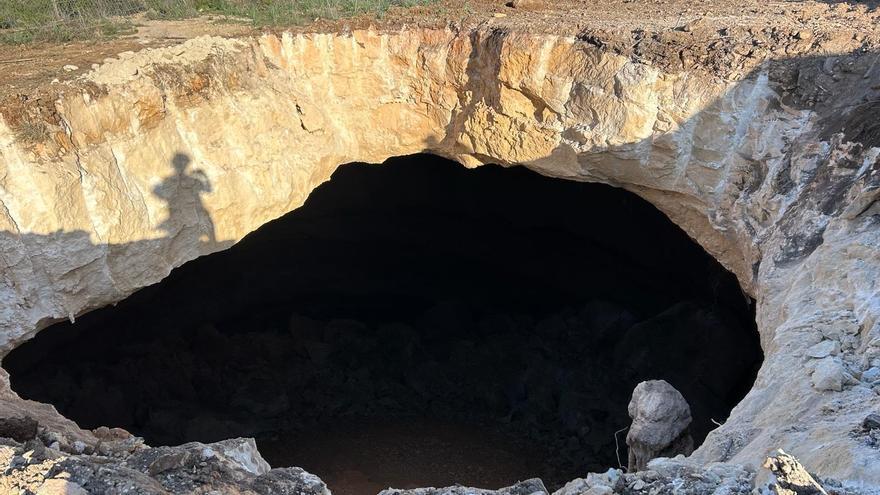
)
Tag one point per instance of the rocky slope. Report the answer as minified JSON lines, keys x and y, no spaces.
{"x":763,"y":146}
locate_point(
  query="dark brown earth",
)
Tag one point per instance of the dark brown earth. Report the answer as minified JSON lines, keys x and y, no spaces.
{"x":366,"y":457}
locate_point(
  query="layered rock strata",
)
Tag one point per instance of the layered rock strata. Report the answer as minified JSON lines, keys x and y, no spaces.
{"x":771,"y":165}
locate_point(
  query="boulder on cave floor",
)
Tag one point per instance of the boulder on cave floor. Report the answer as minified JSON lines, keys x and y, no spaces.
{"x":660,"y":420}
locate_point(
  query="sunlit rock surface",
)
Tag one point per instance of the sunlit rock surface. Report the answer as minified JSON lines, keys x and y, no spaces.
{"x":169,"y":154}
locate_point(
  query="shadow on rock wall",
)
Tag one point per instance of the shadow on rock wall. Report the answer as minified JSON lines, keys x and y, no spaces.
{"x":53,"y":267}
{"x":415,"y":289}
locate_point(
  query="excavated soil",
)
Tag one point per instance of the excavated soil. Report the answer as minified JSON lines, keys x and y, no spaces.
{"x":658,"y":31}
{"x":30,"y":69}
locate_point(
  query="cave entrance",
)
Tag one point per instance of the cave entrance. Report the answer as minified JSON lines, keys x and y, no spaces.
{"x":414,"y":324}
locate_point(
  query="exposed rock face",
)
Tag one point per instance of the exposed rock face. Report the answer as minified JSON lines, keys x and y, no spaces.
{"x":791,"y":477}
{"x":661,"y":417}
{"x":166,"y":155}
{"x":231,"y":466}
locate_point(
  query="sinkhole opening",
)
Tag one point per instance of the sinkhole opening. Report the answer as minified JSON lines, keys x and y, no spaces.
{"x":415,"y":324}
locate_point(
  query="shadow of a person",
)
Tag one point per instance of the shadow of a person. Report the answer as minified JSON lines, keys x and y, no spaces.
{"x":182,"y":191}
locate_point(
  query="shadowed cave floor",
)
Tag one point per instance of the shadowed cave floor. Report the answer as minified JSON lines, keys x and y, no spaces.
{"x":367,"y":456}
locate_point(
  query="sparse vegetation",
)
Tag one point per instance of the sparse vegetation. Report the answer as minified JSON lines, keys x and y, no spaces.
{"x":273,"y":12}
{"x":31,"y":131}
{"x":23,"y":21}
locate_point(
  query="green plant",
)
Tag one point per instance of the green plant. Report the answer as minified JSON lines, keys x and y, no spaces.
{"x":171,"y":9}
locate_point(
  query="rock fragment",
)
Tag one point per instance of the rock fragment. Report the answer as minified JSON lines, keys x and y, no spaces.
{"x":871,"y":422}
{"x":168,"y":462}
{"x":791,"y":476}
{"x":824,"y":349}
{"x":18,"y":429}
{"x":661,"y":417}
{"x":243,"y":451}
{"x":526,"y":4}
{"x":60,"y":487}
{"x":594,"y":484}
{"x":828,"y":375}
{"x":871,"y":375}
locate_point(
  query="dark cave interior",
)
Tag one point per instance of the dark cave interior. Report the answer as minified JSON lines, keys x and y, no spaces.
{"x":413,"y":324}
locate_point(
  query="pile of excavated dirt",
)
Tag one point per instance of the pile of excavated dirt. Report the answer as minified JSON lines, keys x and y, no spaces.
{"x":708,"y":34}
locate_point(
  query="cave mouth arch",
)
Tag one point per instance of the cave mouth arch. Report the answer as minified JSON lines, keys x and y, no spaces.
{"x":487,"y":316}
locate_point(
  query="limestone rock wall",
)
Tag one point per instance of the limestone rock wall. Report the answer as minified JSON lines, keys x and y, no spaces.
{"x":168,"y":154}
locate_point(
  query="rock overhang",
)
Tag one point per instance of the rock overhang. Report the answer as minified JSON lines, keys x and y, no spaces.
{"x":758,"y":167}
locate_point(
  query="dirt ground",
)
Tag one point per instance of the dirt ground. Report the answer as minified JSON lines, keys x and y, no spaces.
{"x":26,"y":71}
{"x":368,"y":456}
{"x":25,"y":68}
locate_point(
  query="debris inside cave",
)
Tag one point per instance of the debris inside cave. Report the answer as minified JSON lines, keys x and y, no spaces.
{"x":661,"y":417}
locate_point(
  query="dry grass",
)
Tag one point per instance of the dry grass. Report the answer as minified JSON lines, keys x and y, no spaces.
{"x":31,"y":131}
{"x":23,"y":21}
{"x":274,"y":12}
